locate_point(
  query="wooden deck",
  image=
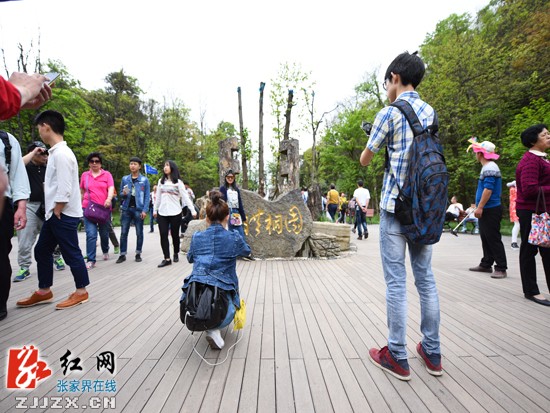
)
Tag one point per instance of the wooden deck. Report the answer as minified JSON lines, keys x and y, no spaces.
{"x":305,"y":346}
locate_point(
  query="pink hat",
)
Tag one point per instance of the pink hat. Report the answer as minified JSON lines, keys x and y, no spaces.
{"x":486,"y":148}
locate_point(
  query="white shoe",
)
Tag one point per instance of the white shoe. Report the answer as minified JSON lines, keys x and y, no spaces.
{"x":214,"y":338}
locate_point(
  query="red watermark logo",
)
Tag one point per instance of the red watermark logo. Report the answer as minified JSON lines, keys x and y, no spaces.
{"x":24,"y":368}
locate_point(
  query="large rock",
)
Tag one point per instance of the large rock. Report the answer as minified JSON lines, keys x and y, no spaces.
{"x":276,"y":228}
{"x":273,"y":228}
{"x":341,"y":232}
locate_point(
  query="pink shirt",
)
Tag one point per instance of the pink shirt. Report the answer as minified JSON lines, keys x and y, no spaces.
{"x":98,"y":187}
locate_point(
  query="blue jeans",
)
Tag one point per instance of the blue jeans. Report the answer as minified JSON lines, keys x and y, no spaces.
{"x":238,"y":228}
{"x":91,"y":238}
{"x":63,"y":232}
{"x":392,"y":249}
{"x":126,"y":218}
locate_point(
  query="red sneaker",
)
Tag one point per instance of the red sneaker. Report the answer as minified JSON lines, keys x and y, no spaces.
{"x":432,"y":362}
{"x":383,"y":359}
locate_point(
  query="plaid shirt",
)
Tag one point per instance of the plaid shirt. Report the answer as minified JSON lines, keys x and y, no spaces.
{"x":392,"y":129}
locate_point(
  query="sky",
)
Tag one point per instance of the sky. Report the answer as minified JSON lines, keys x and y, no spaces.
{"x":199,"y":52}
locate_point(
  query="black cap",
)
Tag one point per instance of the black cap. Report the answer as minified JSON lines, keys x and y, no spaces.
{"x":35,"y":144}
{"x":230,"y":172}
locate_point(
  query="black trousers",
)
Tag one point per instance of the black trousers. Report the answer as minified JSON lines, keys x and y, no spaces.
{"x":169,"y":223}
{"x":491,"y":239}
{"x":527,"y":253}
{"x":6,"y":233}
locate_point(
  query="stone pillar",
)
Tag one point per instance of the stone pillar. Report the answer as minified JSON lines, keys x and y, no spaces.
{"x":289,"y":175}
{"x":228,"y":153}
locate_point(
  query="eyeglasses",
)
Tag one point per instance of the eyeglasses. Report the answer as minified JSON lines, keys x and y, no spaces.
{"x":95,"y":161}
{"x":230,"y":177}
{"x":384,"y":86}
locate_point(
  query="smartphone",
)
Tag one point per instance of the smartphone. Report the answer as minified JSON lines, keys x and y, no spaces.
{"x":52,"y":76}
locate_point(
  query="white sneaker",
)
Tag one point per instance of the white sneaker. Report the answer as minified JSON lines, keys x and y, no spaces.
{"x":214,"y":338}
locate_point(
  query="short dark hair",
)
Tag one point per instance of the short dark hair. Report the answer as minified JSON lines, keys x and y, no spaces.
{"x":409,"y":67}
{"x":530,"y":135}
{"x":94,"y":155}
{"x":360,"y":182}
{"x":52,"y":118}
{"x":135,"y":159}
{"x":332,"y":186}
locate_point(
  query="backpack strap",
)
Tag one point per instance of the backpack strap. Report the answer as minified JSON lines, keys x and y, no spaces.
{"x":7,"y":147}
{"x":409,"y":113}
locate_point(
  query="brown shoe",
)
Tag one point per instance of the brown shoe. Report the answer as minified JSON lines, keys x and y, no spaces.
{"x":74,"y":299}
{"x":479,"y":268}
{"x":35,"y":299}
{"x":499,"y":274}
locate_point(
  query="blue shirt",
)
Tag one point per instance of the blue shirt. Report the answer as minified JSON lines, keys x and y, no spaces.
{"x":214,"y":253}
{"x":490,"y":178}
{"x":391,"y":129}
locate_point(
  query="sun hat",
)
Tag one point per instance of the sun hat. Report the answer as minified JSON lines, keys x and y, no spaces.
{"x":486,"y":148}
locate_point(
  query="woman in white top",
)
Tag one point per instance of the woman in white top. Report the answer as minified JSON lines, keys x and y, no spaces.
{"x":170,"y":198}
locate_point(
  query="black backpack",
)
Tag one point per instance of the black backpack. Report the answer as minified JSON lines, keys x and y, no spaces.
{"x":421,"y":204}
{"x":7,"y":147}
{"x":204,"y":308}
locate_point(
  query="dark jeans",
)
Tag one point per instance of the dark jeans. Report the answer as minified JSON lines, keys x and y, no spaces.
{"x":332,"y":208}
{"x":112,"y":235}
{"x":151,"y":220}
{"x":361,"y":221}
{"x":491,"y":239}
{"x":6,"y":233}
{"x":171,"y":223}
{"x":64,"y":232}
{"x":527,"y":253}
{"x":128,"y":216}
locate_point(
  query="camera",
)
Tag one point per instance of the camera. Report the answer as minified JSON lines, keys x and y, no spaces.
{"x":367,"y":127}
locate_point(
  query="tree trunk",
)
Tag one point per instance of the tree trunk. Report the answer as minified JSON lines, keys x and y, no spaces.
{"x":261,"y":175}
{"x":287,"y":114}
{"x":314,"y":202}
{"x":244,"y":169}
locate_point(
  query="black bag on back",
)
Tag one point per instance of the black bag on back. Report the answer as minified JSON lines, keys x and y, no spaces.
{"x":422,"y":201}
{"x":204,"y":307}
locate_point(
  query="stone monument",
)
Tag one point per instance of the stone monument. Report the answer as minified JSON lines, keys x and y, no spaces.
{"x":227,"y":149}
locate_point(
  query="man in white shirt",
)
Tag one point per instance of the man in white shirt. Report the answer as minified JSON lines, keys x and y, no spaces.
{"x":63,"y":213}
{"x":362,"y":198}
{"x":454,"y":209}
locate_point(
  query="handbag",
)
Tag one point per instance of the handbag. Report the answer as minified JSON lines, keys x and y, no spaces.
{"x":204,"y":308}
{"x":95,"y":212}
{"x":235,"y":219}
{"x":540,"y":225}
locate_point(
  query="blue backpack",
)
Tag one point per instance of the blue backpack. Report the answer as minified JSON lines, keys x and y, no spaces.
{"x":422,"y":201}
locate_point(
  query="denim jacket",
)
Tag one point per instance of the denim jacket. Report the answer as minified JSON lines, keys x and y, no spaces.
{"x":213,"y":254}
{"x":142,"y":193}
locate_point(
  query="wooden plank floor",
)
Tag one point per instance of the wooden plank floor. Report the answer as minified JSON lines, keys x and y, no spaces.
{"x":305,"y":346}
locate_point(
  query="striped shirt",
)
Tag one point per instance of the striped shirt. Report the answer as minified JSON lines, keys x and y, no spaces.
{"x":391,"y":129}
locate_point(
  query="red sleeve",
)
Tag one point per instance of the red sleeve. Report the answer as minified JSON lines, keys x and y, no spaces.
{"x":10,"y":100}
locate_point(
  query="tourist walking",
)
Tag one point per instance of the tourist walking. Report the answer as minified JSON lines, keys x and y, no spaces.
{"x":171,"y":196}
{"x":63,"y":211}
{"x":134,"y":193}
{"x":97,"y":186}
